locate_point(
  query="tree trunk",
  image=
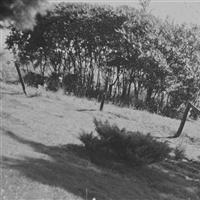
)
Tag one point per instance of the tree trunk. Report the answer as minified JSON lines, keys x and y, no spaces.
{"x":104,"y":94}
{"x":20,"y":78}
{"x":112,"y":84}
{"x":136,"y":92}
{"x":149,"y":94}
{"x":124,"y":92}
{"x":98,"y":80}
{"x":102,"y":102}
{"x":129,"y":89}
{"x":183,"y":121}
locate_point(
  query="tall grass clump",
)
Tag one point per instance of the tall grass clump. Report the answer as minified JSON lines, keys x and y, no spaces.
{"x":117,"y":144}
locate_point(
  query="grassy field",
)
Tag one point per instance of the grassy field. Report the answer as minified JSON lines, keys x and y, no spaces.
{"x":41,"y":156}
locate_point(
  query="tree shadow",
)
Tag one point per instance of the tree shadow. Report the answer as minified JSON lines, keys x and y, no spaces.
{"x":12,"y":93}
{"x":12,"y":82}
{"x":36,"y":94}
{"x":119,"y":115}
{"x":82,"y":110}
{"x":69,"y":167}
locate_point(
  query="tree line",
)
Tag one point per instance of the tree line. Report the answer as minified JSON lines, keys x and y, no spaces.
{"x":123,"y":55}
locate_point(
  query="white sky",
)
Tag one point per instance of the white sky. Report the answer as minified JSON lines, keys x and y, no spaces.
{"x":178,"y":10}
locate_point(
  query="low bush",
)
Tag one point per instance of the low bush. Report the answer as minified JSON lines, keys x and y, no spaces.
{"x":132,"y":148}
{"x":33,"y":79}
{"x":52,"y":82}
{"x":179,"y":153}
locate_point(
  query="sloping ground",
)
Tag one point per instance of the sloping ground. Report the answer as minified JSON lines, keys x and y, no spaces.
{"x":41,"y":158}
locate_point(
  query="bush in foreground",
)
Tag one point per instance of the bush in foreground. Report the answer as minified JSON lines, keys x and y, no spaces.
{"x":132,"y":148}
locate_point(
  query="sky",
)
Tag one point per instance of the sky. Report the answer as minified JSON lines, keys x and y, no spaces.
{"x":179,"y":11}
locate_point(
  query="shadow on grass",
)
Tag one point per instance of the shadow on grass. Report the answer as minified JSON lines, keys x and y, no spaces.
{"x":69,"y":167}
{"x":36,"y":94}
{"x":12,"y":82}
{"x":12,"y":93}
{"x":119,"y":115}
{"x":83,"y":110}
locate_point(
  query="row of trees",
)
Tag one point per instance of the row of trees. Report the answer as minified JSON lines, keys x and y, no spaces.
{"x":128,"y":55}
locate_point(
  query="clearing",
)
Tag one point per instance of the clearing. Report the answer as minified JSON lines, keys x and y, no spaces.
{"x":41,"y":158}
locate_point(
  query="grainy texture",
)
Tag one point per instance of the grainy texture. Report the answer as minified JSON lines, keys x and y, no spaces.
{"x":41,"y":159}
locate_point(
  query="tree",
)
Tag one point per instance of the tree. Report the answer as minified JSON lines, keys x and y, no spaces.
{"x":128,"y":55}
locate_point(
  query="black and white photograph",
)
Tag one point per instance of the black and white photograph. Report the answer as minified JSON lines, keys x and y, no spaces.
{"x":100,"y":99}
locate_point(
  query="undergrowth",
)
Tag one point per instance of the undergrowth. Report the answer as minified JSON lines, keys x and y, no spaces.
{"x":132,"y":148}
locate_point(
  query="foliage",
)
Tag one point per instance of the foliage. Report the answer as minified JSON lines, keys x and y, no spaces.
{"x":179,"y":153}
{"x":133,"y":148}
{"x":130,"y":55}
{"x":33,"y":79}
{"x":53,"y":82}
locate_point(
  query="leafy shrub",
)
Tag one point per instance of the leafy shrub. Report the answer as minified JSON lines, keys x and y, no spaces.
{"x":133,"y":148}
{"x":193,"y":115}
{"x":179,"y":153}
{"x":53,"y":82}
{"x":69,"y":82}
{"x":33,"y":79}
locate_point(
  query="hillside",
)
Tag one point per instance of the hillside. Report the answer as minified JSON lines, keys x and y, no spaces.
{"x":40,"y":161}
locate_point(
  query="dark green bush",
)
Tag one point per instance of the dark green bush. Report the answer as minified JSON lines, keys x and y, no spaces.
{"x":117,"y":144}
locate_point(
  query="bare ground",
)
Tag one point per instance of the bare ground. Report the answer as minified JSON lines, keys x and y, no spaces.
{"x":41,"y":156}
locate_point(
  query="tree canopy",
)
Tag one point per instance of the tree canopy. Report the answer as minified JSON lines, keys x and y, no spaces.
{"x":130,"y":55}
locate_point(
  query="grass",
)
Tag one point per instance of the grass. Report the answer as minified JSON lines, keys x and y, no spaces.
{"x":68,"y":167}
{"x":42,"y":157}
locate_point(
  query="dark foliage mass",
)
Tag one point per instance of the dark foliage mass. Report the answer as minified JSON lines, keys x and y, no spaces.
{"x":53,"y":82}
{"x":126,"y":55}
{"x":34,"y":79}
{"x":21,"y":12}
{"x":133,"y":148}
{"x":69,"y":83}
